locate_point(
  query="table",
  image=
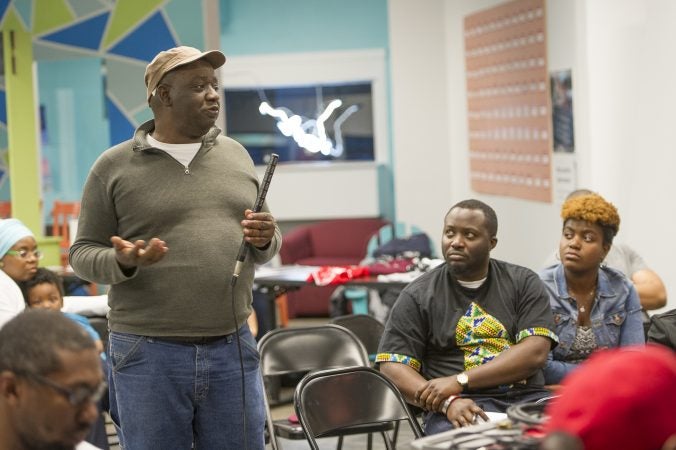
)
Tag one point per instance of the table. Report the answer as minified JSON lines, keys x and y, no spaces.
{"x":278,"y":280}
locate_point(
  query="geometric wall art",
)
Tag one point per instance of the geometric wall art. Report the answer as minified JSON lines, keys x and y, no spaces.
{"x":122,"y":35}
{"x":125,"y":34}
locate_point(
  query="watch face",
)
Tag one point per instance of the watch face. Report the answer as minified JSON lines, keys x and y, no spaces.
{"x":462,"y":379}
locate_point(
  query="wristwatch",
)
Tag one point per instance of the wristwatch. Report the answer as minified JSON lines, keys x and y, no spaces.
{"x":463,"y":380}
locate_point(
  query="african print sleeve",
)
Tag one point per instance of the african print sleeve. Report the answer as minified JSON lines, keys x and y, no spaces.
{"x":403,"y":340}
{"x":534,"y":314}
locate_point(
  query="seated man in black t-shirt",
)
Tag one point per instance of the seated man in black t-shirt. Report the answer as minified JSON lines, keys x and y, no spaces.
{"x":471,"y":335}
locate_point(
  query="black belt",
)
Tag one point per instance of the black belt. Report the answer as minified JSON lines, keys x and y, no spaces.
{"x":190,"y":340}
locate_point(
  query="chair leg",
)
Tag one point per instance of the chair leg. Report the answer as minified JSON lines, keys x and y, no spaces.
{"x":388,"y":442}
{"x":359,"y":300}
{"x":282,"y":303}
{"x":395,"y":434}
{"x":340,"y":443}
{"x":369,"y":441}
{"x":270,"y":425}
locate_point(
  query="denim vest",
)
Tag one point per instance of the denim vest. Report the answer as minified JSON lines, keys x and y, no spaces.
{"x":615,"y":316}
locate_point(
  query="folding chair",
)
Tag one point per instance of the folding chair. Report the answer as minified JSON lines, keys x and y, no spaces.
{"x":334,"y":401}
{"x":300,"y":350}
{"x":367,"y":328}
{"x":62,"y":214}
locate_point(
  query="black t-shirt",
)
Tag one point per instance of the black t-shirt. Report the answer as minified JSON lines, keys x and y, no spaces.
{"x":440,"y":328}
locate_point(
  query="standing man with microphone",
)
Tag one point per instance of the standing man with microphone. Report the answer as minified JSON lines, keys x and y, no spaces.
{"x":162,"y":218}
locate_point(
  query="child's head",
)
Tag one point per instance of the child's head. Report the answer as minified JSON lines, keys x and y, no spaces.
{"x":44,"y":290}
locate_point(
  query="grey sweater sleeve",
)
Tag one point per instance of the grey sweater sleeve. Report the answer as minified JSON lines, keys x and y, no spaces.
{"x":92,"y":255}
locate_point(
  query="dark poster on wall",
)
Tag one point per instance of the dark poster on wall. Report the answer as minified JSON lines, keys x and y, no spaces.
{"x":562,"y":111}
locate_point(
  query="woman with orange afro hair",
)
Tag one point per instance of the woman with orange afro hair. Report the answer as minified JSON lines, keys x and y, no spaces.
{"x":594,"y":306}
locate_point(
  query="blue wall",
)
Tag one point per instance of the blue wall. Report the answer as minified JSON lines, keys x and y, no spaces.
{"x":288,"y":26}
{"x":76,"y":127}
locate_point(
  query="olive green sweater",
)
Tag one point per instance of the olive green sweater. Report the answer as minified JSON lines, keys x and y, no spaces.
{"x":136,"y":191}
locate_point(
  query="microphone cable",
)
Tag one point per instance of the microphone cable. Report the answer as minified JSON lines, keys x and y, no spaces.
{"x":241,"y":256}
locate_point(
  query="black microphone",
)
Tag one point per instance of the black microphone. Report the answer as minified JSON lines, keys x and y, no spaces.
{"x":262,"y":192}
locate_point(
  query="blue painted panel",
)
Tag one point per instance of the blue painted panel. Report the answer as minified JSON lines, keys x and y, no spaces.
{"x":74,"y":126}
{"x":3,"y":107}
{"x":25,"y":10}
{"x":151,"y":37}
{"x":186,"y":19}
{"x":85,"y":34}
{"x":145,"y":115}
{"x":273,"y":26}
{"x":5,"y":194}
{"x":3,"y":7}
{"x":83,"y":8}
{"x":121,"y":128}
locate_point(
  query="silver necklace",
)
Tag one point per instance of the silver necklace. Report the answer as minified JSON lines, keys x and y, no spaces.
{"x":591,"y":296}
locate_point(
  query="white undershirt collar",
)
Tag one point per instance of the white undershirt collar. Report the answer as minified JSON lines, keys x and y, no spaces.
{"x":472,"y":284}
{"x":183,"y":153}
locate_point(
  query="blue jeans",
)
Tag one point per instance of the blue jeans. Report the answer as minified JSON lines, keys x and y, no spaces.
{"x":168,"y":395}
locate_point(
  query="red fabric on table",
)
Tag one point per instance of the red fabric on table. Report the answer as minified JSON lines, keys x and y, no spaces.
{"x":330,"y":275}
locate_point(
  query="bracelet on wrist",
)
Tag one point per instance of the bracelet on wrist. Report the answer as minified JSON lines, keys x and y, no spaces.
{"x":447,"y":403}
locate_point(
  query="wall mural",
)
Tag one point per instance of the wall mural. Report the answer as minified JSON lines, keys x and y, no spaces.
{"x":125,"y":34}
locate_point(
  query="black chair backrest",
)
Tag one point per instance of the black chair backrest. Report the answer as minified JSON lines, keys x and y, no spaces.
{"x":329,"y":401}
{"x":367,"y":328}
{"x":100,"y":324}
{"x":292,"y":350}
{"x":663,"y":329}
{"x":289,"y":350}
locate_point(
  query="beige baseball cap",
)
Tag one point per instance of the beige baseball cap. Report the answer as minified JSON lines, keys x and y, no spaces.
{"x":169,"y":60}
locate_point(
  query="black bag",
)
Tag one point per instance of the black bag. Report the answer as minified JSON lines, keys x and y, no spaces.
{"x":416,"y":245}
{"x":663,"y":329}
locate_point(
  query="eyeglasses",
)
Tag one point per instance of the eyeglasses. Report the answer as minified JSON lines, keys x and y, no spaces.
{"x":23,"y":253}
{"x":76,"y":397}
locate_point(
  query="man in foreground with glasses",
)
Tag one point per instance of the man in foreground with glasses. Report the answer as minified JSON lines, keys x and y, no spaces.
{"x":50,"y":381}
{"x":19,"y":258}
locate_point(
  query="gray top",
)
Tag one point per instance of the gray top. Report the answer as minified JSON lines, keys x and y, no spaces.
{"x":625,"y":259}
{"x":136,"y":191}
